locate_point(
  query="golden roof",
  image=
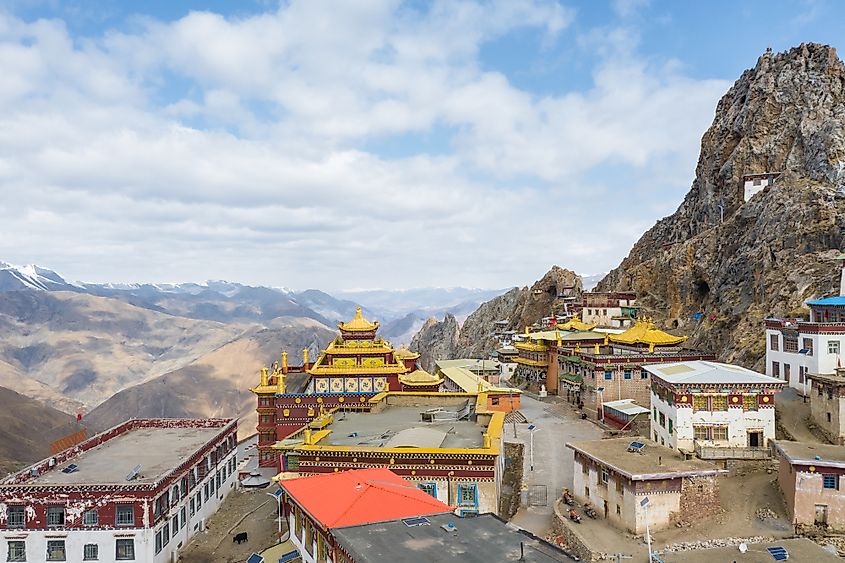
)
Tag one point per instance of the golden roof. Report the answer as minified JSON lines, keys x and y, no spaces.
{"x":420,"y":377}
{"x":575,"y":324}
{"x":358,"y":323}
{"x":644,"y":332}
{"x":404,"y":354}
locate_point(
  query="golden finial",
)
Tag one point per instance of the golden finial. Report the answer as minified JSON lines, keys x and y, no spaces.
{"x":265,"y":377}
{"x":305,"y":356}
{"x":284,"y":362}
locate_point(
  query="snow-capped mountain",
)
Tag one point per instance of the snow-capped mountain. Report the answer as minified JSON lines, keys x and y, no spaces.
{"x":15,"y":278}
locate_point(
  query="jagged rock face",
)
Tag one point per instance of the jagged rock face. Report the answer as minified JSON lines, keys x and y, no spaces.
{"x":769,"y":254}
{"x":521,"y":307}
{"x":436,"y":340}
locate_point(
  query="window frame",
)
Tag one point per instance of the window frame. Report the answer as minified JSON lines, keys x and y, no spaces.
{"x":121,"y":508}
{"x":17,"y":557}
{"x":54,"y":512}
{"x":832,"y":479}
{"x":86,"y":554}
{"x":56,"y":543}
{"x":472,"y":488}
{"x":428,"y":487}
{"x":87,"y":513}
{"x":123,"y":541}
{"x":16,"y":508}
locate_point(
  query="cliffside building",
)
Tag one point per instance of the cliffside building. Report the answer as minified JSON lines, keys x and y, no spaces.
{"x":615,"y":478}
{"x":715,"y":410}
{"x":798,"y":347}
{"x":136,"y":492}
{"x":754,"y":183}
{"x":612,"y":310}
{"x":811,"y":479}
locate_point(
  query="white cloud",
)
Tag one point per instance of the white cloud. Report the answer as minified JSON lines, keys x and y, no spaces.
{"x":236,"y":148}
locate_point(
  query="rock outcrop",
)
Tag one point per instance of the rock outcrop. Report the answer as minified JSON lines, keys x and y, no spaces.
{"x":736,"y":262}
{"x":520,"y":307}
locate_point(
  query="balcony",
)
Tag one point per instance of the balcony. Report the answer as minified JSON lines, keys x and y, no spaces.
{"x":709,"y":451}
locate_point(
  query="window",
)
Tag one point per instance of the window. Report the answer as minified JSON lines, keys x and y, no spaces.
{"x":604,"y":477}
{"x":183,"y":518}
{"x":193,"y":507}
{"x":790,"y":344}
{"x":618,"y":510}
{"x":429,"y":488}
{"x":608,"y":375}
{"x":828,"y":417}
{"x":699,"y":403}
{"x":833,"y":347}
{"x":643,"y":374}
{"x":124,"y":549}
{"x":773,"y":343}
{"x":17,"y":551}
{"x":830,"y":481}
{"x":720,"y":433}
{"x":174,"y":526}
{"x":494,"y":401}
{"x":165,"y":534}
{"x":174,"y":495}
{"x":298,"y":523}
{"x":158,"y":542}
{"x":787,"y":368}
{"x":699,"y":432}
{"x":749,"y":402}
{"x":90,"y":518}
{"x":627,"y":374}
{"x":56,"y":549}
{"x":719,"y":402}
{"x":620,"y":485}
{"x":662,"y":419}
{"x":16,"y":516}
{"x":776,"y":369}
{"x":55,"y":518}
{"x":322,"y":549}
{"x":808,"y":346}
{"x":199,"y":501}
{"x":654,"y":413}
{"x":670,"y":426}
{"x":467,"y":495}
{"x":90,"y":552}
{"x":124,"y":516}
{"x":309,"y":538}
{"x":587,"y":492}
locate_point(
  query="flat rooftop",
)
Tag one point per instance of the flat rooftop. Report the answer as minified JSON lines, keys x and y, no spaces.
{"x":706,"y":372}
{"x":482,"y":539}
{"x":799,"y":549}
{"x":157,"y":450}
{"x":655,"y":461}
{"x":819,"y":454}
{"x":402,"y":426}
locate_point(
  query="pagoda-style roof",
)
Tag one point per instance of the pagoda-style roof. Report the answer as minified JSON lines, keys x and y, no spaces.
{"x":404,"y":354}
{"x":575,"y":324}
{"x":420,"y":378}
{"x":644,"y":332}
{"x":358,"y":324}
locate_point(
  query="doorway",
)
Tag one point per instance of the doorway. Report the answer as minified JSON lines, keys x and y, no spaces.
{"x":605,"y":509}
{"x":821,"y":514}
{"x":755,"y":439}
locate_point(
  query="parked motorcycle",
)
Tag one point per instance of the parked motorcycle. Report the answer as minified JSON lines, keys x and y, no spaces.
{"x":590,"y":511}
{"x":574,"y":516}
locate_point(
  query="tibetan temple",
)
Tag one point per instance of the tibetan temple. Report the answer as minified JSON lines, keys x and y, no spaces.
{"x":352,"y":374}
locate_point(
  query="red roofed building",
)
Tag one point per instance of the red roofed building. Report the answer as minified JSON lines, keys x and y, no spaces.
{"x":315,"y":505}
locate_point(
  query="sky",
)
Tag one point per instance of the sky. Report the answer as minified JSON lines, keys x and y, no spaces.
{"x":369,"y":144}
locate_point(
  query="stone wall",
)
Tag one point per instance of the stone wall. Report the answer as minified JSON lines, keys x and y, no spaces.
{"x":570,"y":539}
{"x":511,"y":480}
{"x":699,"y":499}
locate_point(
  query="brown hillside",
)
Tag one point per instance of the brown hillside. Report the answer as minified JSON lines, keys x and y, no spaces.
{"x":216,"y":384}
{"x":27,"y":427}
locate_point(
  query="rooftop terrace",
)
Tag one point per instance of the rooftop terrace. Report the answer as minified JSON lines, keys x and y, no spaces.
{"x":403,"y":426}
{"x":157,"y":450}
{"x":653,"y":462}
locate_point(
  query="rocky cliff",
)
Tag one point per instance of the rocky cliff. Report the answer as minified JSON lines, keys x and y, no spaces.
{"x":520,"y":307}
{"x":736,"y":262}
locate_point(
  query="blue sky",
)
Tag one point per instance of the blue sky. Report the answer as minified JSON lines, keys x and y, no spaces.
{"x":385,"y":144}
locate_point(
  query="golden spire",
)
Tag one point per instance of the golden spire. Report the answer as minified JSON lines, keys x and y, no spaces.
{"x":358,"y":323}
{"x":284,"y":362}
{"x":305,"y":356}
{"x":280,"y":383}
{"x":265,"y":377}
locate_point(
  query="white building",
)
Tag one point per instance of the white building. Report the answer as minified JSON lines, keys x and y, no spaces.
{"x":713,"y":409}
{"x":796,"y":347}
{"x":753,"y":183}
{"x":613,"y":310}
{"x":136,"y":492}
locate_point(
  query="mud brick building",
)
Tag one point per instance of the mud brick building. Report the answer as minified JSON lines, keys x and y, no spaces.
{"x":811,"y":479}
{"x":615,"y":480}
{"x":827,"y":404}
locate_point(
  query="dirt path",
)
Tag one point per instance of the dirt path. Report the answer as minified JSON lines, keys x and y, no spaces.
{"x":793,"y":415}
{"x":215,"y":545}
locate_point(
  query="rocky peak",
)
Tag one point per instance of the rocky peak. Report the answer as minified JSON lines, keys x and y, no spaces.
{"x":736,"y":261}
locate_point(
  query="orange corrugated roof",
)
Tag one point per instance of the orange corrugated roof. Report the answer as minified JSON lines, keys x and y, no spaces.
{"x":360,"y":496}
